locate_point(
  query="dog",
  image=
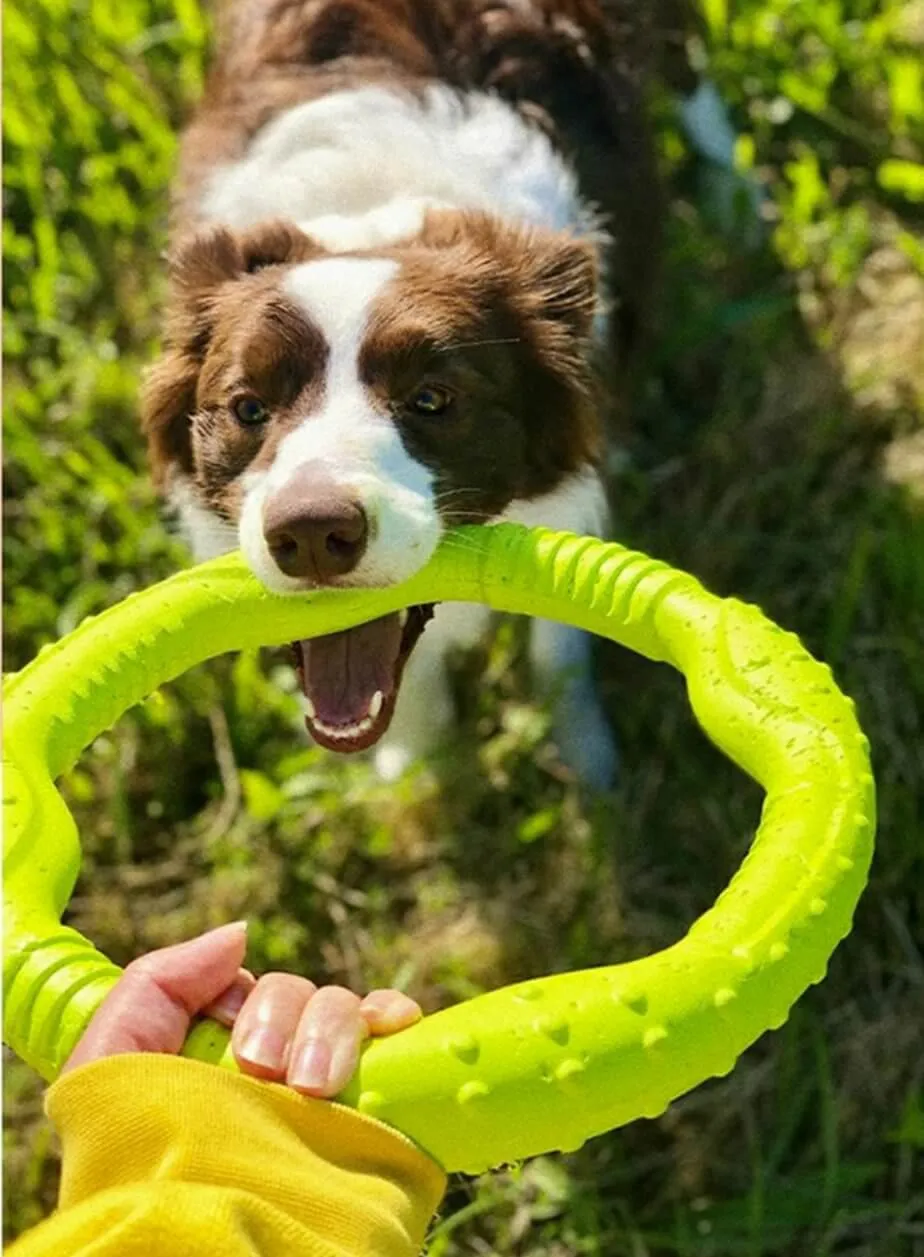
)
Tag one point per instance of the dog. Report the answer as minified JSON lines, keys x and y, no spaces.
{"x":414,"y":247}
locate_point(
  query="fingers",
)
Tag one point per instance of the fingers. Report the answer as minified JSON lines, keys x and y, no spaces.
{"x":265,"y":1027}
{"x":387,"y":1011}
{"x":290,"y":1031}
{"x":151,"y":1006}
{"x":325,"y":1051}
{"x":284,"y":1028}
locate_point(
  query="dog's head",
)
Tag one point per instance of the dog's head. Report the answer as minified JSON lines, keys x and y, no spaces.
{"x":332,"y":413}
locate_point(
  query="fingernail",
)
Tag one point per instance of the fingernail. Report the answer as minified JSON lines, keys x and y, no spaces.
{"x":389,"y":1010}
{"x":390,"y":1002}
{"x":311,"y":1068}
{"x":265,"y":1047}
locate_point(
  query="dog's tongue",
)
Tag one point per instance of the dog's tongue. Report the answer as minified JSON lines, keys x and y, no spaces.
{"x":349,"y":680}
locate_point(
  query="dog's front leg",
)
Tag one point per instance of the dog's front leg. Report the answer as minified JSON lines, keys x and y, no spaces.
{"x":562,"y":663}
{"x":424,"y":712}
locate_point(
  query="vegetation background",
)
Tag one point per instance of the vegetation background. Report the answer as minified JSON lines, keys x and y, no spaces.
{"x":778,"y":453}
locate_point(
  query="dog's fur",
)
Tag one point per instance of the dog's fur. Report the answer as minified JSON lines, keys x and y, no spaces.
{"x":382,"y":204}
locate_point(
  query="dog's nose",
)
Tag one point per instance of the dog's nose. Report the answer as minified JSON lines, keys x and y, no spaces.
{"x":315,"y":530}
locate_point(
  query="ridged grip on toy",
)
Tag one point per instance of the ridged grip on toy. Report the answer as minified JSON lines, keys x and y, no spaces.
{"x":551,"y":1062}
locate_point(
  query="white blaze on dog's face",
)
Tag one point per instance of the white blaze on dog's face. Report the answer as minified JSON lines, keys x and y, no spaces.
{"x":332,"y":414}
{"x":344,"y":452}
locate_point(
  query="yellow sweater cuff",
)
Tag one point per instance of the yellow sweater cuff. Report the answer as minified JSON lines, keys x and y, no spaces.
{"x":194,"y":1149}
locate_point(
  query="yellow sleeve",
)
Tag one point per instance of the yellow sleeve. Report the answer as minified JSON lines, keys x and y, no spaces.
{"x":166,"y":1156}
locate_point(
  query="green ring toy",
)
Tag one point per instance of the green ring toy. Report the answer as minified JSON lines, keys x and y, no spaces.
{"x":546,"y":1064}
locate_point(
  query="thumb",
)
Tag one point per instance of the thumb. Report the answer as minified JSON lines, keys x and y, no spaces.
{"x":151,"y":1006}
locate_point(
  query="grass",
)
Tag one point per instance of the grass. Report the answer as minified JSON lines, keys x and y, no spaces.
{"x":777,"y":452}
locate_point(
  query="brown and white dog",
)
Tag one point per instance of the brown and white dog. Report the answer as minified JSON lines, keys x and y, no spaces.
{"x":414,"y":244}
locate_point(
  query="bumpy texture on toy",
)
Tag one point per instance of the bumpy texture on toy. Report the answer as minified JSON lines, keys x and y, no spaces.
{"x":549,"y":1063}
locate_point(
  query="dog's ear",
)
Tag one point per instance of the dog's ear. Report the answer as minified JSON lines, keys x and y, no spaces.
{"x":549,"y":277}
{"x":168,"y":400}
{"x":204,"y":262}
{"x":543,"y":287}
{"x":215,"y":254}
{"x":557,"y":281}
{"x":199,"y":268}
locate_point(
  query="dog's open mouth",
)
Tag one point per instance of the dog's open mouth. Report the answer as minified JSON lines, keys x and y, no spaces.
{"x":350,"y":680}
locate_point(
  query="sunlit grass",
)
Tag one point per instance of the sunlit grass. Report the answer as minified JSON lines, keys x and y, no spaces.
{"x":783,"y":372}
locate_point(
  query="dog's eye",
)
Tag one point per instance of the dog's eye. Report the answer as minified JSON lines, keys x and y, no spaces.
{"x":249,"y":410}
{"x":430,"y":399}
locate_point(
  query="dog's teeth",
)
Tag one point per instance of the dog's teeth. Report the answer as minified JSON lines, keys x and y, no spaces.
{"x":309,"y":708}
{"x":375,"y":706}
{"x":343,"y":733}
{"x":402,"y":617}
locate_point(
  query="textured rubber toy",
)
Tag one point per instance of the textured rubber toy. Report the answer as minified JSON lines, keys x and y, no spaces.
{"x":548,"y":1063}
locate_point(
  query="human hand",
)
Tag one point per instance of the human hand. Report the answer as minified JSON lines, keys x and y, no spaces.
{"x":284,"y":1028}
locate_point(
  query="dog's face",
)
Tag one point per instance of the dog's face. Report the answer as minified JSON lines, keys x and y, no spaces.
{"x":331,"y":414}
